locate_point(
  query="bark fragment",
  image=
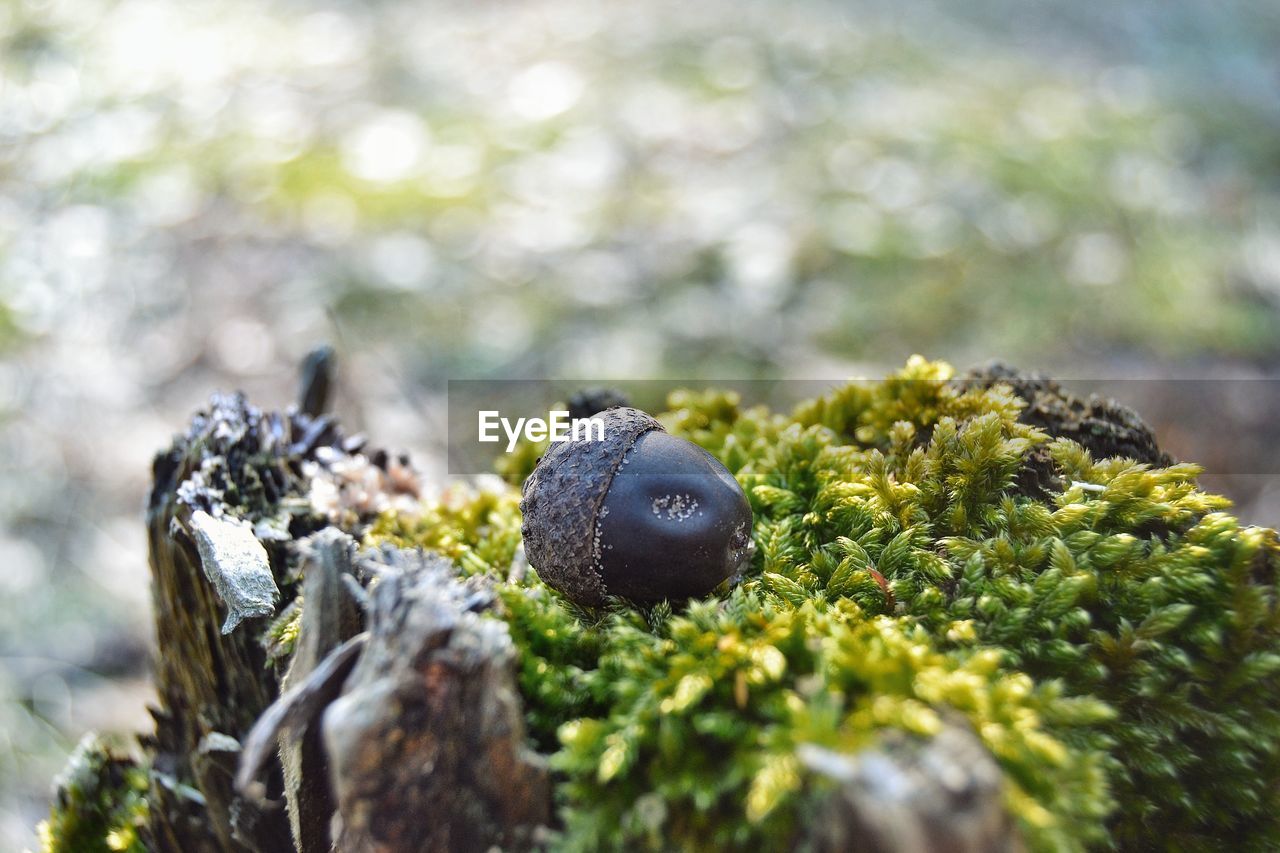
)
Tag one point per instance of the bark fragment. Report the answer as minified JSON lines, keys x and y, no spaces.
{"x":330,"y":624}
{"x":237,"y":565}
{"x":427,"y":742}
{"x":913,"y":795}
{"x":1102,"y":426}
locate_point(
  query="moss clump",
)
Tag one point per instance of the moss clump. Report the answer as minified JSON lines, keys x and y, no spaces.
{"x":477,"y":528}
{"x":1116,"y":644}
{"x":705,"y":711}
{"x":100,"y":803}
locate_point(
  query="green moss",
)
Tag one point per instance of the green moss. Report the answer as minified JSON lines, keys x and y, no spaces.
{"x":101,"y":803}
{"x":1116,"y":647}
{"x":706,"y":710}
{"x":480,"y":530}
{"x":281,"y":638}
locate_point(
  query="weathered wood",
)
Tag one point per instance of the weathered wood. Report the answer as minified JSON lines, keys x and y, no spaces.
{"x":226,"y":500}
{"x":209,"y":683}
{"x":914,"y":795}
{"x":315,"y":387}
{"x":330,"y":616}
{"x":289,"y":716}
{"x":425,"y":749}
{"x":427,"y":742}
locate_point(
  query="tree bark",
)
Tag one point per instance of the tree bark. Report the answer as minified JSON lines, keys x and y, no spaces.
{"x":211,"y":685}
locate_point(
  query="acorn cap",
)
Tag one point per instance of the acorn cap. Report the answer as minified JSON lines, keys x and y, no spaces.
{"x":561,"y":503}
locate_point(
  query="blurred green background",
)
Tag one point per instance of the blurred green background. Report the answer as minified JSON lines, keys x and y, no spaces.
{"x":193,"y":194}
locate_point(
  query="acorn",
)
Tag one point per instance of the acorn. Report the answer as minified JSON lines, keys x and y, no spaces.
{"x":643,"y":515}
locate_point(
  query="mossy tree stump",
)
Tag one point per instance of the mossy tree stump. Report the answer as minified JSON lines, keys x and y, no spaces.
{"x":236,"y":539}
{"x":316,"y":693}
